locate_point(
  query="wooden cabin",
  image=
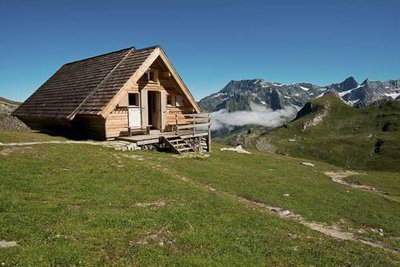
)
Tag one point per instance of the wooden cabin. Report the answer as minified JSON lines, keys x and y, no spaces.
{"x":132,"y":93}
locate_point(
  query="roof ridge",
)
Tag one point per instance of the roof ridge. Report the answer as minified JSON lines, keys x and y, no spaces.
{"x":100,"y":83}
{"x":147,"y":48}
{"x":105,"y":54}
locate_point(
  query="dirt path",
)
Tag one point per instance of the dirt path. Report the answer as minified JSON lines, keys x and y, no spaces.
{"x":113,"y":144}
{"x":339,"y":177}
{"x":327,"y":230}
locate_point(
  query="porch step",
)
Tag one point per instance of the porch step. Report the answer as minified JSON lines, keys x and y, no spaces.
{"x":177,"y":144}
{"x":177,"y":141}
{"x":185,"y":149}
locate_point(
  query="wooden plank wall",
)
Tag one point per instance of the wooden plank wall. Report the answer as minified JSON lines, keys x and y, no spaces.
{"x":117,"y":123}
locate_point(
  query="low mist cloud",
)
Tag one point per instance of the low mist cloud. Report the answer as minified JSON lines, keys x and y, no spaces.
{"x":258,"y":115}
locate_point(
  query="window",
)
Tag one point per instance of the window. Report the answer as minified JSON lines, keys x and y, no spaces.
{"x":170,"y":100}
{"x":152,"y":75}
{"x":133,"y":99}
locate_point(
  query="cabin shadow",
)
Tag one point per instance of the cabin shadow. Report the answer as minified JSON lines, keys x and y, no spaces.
{"x":75,"y":136}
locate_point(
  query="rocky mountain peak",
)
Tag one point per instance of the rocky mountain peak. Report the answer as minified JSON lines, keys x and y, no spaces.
{"x":241,"y":85}
{"x":365,"y":82}
{"x":346,"y":85}
{"x":349,"y":83}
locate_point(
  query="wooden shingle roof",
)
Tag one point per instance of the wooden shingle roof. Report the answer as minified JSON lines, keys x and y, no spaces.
{"x":117,"y":78}
{"x":84,"y":86}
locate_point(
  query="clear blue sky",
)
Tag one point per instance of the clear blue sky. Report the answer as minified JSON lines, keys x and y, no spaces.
{"x":209,"y":42}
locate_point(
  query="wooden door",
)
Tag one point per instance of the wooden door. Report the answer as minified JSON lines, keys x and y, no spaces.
{"x":154,"y":109}
{"x":134,"y":118}
{"x":157,"y":110}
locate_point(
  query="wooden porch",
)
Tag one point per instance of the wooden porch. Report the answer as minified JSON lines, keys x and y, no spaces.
{"x":190,"y":133}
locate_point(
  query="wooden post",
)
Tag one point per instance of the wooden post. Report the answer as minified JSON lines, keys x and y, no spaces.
{"x":209,"y":134}
{"x":176,"y":123}
{"x":199,"y":144}
{"x":194,"y":124}
{"x":163,"y":107}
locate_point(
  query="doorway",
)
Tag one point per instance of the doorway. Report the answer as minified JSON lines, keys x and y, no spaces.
{"x":154,"y":109}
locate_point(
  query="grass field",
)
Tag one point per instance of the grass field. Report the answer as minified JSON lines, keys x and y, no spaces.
{"x":83,"y":205}
{"x":12,"y":136}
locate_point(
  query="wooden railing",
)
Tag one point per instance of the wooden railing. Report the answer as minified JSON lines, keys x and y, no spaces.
{"x":193,"y":122}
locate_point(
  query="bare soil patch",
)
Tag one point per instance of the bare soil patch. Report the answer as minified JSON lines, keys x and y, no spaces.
{"x":8,"y":244}
{"x":161,"y":238}
{"x":158,"y":203}
{"x":11,"y":150}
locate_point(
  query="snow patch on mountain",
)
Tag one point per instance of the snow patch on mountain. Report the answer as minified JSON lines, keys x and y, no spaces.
{"x":219,"y":94}
{"x":341,"y":94}
{"x":393,"y":95}
{"x":352,"y":102}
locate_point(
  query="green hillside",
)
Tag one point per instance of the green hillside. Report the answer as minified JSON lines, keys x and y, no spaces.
{"x":86,"y":205}
{"x":344,"y":136}
{"x":8,"y":101}
{"x":7,"y":121}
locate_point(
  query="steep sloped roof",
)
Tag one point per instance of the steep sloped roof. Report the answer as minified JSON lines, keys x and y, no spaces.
{"x":70,"y":86}
{"x":87,"y":86}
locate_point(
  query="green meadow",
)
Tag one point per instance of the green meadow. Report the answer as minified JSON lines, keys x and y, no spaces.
{"x":84,"y":205}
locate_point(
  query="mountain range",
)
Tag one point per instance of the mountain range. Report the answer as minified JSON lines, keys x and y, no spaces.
{"x":240,"y":95}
